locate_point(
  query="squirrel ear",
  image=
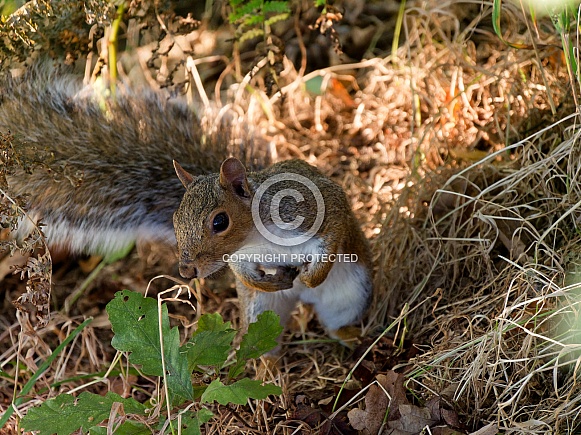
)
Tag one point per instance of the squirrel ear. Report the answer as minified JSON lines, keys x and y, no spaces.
{"x":185,"y":177}
{"x":233,"y":176}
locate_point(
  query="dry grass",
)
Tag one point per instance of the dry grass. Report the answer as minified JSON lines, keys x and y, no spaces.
{"x":492,"y":299}
{"x":461,"y":160}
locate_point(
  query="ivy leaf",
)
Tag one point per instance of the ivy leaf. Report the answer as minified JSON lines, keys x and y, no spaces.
{"x":260,"y":338}
{"x":191,"y":421}
{"x":239,"y":392}
{"x":211,"y":343}
{"x":135,"y":322}
{"x":64,"y":414}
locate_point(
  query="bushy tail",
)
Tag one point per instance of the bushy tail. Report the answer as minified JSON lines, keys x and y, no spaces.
{"x":102,"y":173}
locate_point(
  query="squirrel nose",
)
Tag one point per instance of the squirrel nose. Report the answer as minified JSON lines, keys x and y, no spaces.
{"x":188,"y":271}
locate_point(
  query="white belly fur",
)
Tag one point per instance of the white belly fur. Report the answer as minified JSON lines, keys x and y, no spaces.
{"x":339,"y":301}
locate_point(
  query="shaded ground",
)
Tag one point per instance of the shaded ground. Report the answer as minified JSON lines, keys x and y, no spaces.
{"x":471,"y":255}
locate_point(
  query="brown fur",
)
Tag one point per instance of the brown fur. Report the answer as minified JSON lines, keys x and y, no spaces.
{"x":202,"y":251}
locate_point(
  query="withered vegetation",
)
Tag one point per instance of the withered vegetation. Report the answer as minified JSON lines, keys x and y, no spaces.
{"x":460,"y":155}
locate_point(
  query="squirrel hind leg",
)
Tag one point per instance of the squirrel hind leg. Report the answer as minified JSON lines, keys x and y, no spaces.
{"x":349,"y":336}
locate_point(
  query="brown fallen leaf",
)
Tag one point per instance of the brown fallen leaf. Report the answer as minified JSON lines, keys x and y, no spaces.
{"x":392,"y":382}
{"x":450,"y":417}
{"x":317,"y":419}
{"x":412,"y":421}
{"x":369,"y":421}
{"x":386,"y":406}
{"x":337,"y":89}
{"x":444,"y":430}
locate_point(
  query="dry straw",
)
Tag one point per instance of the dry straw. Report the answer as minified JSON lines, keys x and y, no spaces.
{"x":485,"y":253}
{"x":461,"y":157}
{"x":469,"y":155}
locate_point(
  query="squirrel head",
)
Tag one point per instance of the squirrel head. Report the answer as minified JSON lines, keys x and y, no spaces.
{"x":213,"y":219}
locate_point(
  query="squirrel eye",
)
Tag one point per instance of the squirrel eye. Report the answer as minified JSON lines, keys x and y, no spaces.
{"x":220,"y":222}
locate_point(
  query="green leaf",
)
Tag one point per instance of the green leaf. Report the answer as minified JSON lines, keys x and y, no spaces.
{"x":211,"y":343}
{"x":178,"y":374}
{"x":276,"y":6}
{"x":43,"y":367}
{"x":135,"y":322}
{"x":126,"y":428}
{"x":191,"y":421}
{"x":212,"y":322}
{"x":209,"y":348}
{"x":62,"y":415}
{"x":261,"y":337}
{"x":239,"y":392}
{"x":315,"y":85}
{"x":250,"y":8}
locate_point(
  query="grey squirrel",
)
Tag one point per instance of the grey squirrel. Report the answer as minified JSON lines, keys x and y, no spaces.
{"x":117,"y":184}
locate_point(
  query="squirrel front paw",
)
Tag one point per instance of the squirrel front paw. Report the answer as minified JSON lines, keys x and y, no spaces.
{"x":286,"y":274}
{"x":254,"y":276}
{"x":281,"y":279}
{"x":313,"y":274}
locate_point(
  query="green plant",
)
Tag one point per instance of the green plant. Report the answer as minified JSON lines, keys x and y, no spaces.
{"x":142,"y":329}
{"x":254,"y":17}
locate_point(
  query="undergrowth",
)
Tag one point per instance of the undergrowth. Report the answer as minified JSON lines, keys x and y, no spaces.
{"x":482,"y":256}
{"x":197,"y":373}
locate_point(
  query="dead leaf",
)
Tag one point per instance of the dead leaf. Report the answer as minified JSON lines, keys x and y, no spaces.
{"x":450,"y":417}
{"x":388,"y":399}
{"x":337,"y":89}
{"x":318,"y":419}
{"x":443,"y":430}
{"x":392,"y":382}
{"x":413,"y":419}
{"x":369,"y":421}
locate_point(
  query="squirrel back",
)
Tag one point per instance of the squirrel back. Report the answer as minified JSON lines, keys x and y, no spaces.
{"x":103,"y":175}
